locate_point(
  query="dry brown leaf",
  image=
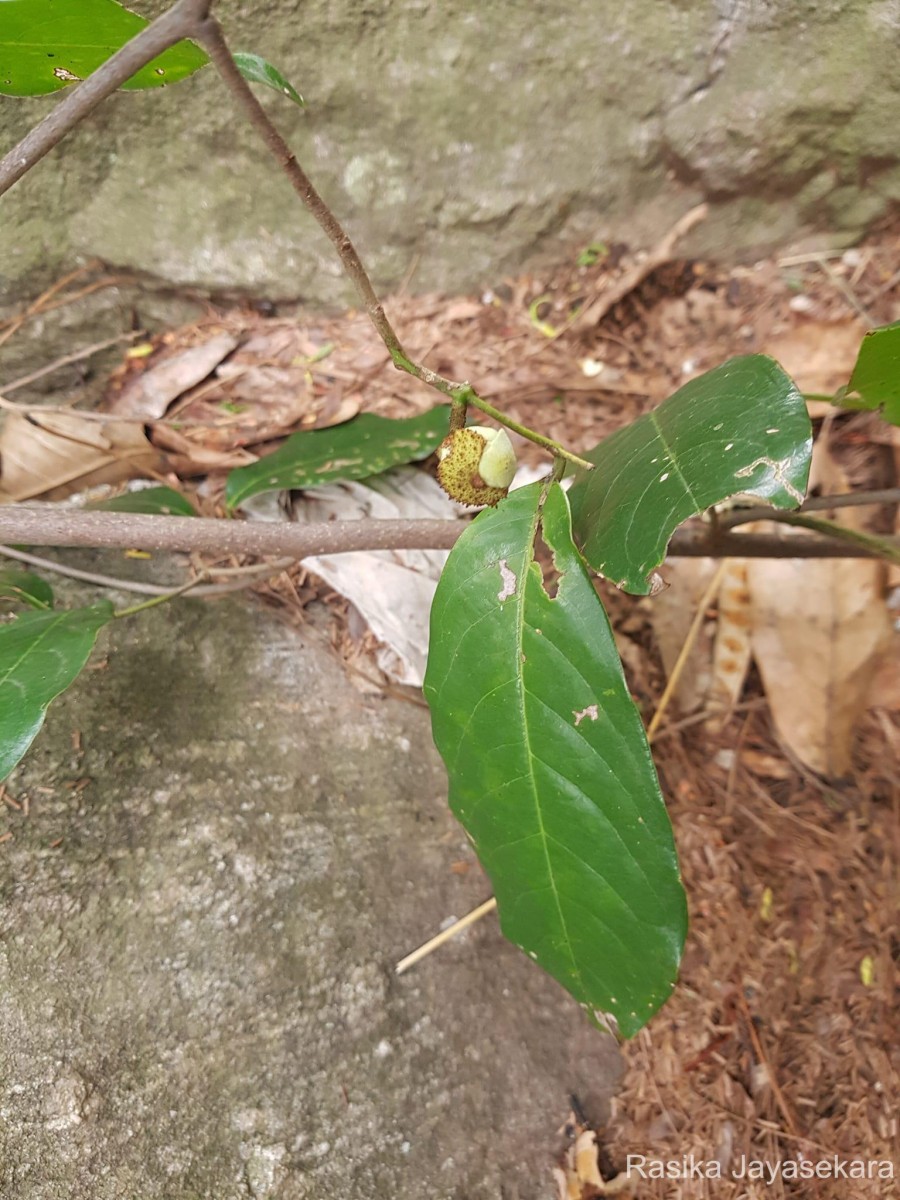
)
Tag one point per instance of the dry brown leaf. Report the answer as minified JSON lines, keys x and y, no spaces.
{"x":731,"y":654}
{"x":586,"y":1155}
{"x":150,"y":394}
{"x":818,"y":355}
{"x":885,"y":690}
{"x":55,"y":455}
{"x":198,"y":450}
{"x":671,"y":614}
{"x":820,"y":628}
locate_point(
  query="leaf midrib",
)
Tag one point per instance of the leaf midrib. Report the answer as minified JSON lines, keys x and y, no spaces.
{"x":32,"y":647}
{"x":532,"y":758}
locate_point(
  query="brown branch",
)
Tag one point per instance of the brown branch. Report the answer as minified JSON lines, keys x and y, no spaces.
{"x":49,"y":526}
{"x":743,"y":516}
{"x":179,"y":22}
{"x":209,"y":35}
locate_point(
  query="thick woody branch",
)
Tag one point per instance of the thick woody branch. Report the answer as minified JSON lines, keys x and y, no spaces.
{"x":35,"y":526}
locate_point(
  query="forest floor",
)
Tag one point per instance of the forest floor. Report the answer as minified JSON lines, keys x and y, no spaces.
{"x":780,"y":1042}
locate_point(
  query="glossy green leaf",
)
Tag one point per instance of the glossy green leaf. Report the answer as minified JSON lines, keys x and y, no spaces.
{"x":549,"y":767}
{"x":741,"y":429}
{"x":40,"y":655}
{"x":46,"y":45}
{"x":367,"y":445}
{"x":24,"y":587}
{"x":256,"y":70}
{"x":875,"y":382}
{"x":154,"y":500}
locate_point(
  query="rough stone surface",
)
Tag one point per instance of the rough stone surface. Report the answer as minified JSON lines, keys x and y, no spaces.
{"x":466,"y":140}
{"x":199,"y":919}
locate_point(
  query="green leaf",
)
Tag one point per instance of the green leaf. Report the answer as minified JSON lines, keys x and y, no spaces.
{"x":256,"y":70}
{"x":46,"y":45}
{"x":40,"y":655}
{"x":163,"y":500}
{"x":741,"y":429}
{"x":24,"y":587}
{"x":875,"y":382}
{"x":550,"y":772}
{"x":365,"y":446}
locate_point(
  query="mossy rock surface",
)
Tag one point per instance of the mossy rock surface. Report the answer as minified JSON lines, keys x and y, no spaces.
{"x":472,"y":141}
{"x":199,"y":920}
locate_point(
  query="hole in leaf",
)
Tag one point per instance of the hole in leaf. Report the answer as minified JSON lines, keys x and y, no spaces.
{"x":543,"y":556}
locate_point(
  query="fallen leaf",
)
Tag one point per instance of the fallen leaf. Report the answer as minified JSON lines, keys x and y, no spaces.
{"x":731,"y":653}
{"x":769,"y":766}
{"x":671,"y":614}
{"x":820,"y":630}
{"x":60,"y":453}
{"x":818,"y":355}
{"x":150,"y":394}
{"x":391,"y":589}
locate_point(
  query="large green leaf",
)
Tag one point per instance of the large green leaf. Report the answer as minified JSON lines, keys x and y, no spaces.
{"x":550,"y":772}
{"x":741,"y":429}
{"x":875,"y":382}
{"x":24,"y":587}
{"x":365,"y":446}
{"x":153,"y":500}
{"x":46,"y":45}
{"x":40,"y":655}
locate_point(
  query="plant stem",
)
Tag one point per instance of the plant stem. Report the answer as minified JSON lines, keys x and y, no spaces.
{"x":555,"y":448}
{"x":729,"y":518}
{"x":34,"y":525}
{"x":163,"y":599}
{"x":883,"y":547}
{"x":210,"y":36}
{"x":181,"y":21}
{"x":248,"y":575}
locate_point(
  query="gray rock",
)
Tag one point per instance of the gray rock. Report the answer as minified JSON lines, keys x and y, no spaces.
{"x":197,"y":997}
{"x":470,"y":140}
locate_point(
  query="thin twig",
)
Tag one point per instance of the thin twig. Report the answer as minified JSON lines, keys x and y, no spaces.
{"x":880,"y":546}
{"x":13,"y":324}
{"x":763,"y":1059}
{"x":210,"y":36}
{"x":847,"y":292}
{"x":179,"y":22}
{"x":728,"y":519}
{"x":162,"y":598}
{"x":886,"y":287}
{"x":248,"y":575}
{"x":40,"y":309}
{"x":65,"y":361}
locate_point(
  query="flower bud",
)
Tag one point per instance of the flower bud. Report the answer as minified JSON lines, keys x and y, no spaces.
{"x":476,"y":464}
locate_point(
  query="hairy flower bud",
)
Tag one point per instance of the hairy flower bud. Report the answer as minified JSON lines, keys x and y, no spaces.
{"x":476,"y":464}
